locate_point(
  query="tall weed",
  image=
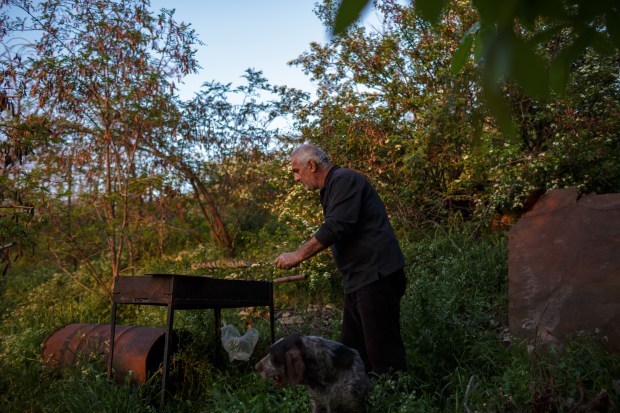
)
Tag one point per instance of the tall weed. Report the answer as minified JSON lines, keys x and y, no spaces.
{"x":454,"y":320}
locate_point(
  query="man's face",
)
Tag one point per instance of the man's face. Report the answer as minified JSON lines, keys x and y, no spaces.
{"x":304,"y":173}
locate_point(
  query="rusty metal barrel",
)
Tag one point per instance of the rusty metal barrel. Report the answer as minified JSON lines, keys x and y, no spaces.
{"x":137,"y":350}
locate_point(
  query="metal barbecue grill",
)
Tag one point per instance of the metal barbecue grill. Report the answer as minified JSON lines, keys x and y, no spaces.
{"x":184,"y":292}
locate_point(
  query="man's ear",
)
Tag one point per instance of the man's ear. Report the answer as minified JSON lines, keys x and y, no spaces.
{"x":312,"y":166}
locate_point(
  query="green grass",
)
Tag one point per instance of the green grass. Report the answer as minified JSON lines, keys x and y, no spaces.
{"x":454,"y":317}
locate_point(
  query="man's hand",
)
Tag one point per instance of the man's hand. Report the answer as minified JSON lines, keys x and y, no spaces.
{"x":287,"y":260}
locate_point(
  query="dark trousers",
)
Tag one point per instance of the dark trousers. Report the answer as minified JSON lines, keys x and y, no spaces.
{"x":371,"y":323}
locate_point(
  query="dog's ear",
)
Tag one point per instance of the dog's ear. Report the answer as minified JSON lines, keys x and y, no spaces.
{"x":294,"y":366}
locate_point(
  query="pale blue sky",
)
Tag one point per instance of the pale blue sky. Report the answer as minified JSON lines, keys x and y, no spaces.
{"x":241,"y":34}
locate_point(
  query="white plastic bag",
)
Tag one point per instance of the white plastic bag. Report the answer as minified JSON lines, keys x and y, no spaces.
{"x":237,"y":346}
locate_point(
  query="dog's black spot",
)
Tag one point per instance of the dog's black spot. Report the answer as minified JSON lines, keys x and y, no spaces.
{"x":343,"y":357}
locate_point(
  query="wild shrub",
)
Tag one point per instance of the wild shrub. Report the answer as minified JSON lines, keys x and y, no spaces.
{"x":455,"y":307}
{"x":460,"y":352}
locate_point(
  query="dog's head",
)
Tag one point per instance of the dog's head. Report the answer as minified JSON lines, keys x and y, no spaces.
{"x":290,"y":361}
{"x":284,"y":364}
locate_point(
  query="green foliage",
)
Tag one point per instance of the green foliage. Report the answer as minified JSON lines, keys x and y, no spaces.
{"x":507,"y":38}
{"x":400,"y":394}
{"x":459,"y":348}
{"x":455,"y":309}
{"x":90,"y":389}
{"x":347,"y":14}
{"x":454,"y":318}
{"x":389,"y":106}
{"x":581,"y":376}
{"x":572,"y":142}
{"x":404,"y":105}
{"x":100,"y":80}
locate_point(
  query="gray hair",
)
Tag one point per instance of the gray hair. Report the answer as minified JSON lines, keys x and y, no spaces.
{"x":307,"y":152}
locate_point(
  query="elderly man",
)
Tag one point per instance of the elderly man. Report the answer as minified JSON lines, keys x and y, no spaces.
{"x":366,"y":251}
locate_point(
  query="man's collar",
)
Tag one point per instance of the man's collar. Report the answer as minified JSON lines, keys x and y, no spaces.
{"x":329,"y":174}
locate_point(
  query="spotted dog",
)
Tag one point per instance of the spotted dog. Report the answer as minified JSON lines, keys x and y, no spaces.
{"x":333,"y":373}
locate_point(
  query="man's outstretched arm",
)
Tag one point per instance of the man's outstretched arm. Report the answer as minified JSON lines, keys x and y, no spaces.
{"x":289,"y":260}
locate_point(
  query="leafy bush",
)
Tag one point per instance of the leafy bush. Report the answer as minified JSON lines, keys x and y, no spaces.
{"x":455,"y":309}
{"x":459,"y":348}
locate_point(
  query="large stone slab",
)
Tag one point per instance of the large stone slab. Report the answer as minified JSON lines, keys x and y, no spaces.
{"x":564,"y":269}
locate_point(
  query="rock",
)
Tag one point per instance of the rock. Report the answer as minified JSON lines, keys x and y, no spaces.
{"x":288,"y":318}
{"x":564,"y":269}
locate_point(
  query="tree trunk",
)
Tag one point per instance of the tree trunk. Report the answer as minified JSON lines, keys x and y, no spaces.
{"x":205,"y":200}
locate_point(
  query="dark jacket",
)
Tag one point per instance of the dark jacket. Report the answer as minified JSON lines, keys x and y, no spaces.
{"x":357,"y":229}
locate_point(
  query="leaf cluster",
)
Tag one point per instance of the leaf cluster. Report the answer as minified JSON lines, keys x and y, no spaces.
{"x":506,"y":41}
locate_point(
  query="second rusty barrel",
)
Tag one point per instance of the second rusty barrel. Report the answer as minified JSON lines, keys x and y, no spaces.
{"x":137,"y":350}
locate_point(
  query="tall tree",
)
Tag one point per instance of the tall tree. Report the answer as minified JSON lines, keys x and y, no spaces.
{"x":221,"y":131}
{"x":508,"y":37}
{"x":103,"y":74}
{"x":17,"y":145}
{"x":389,"y":105}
